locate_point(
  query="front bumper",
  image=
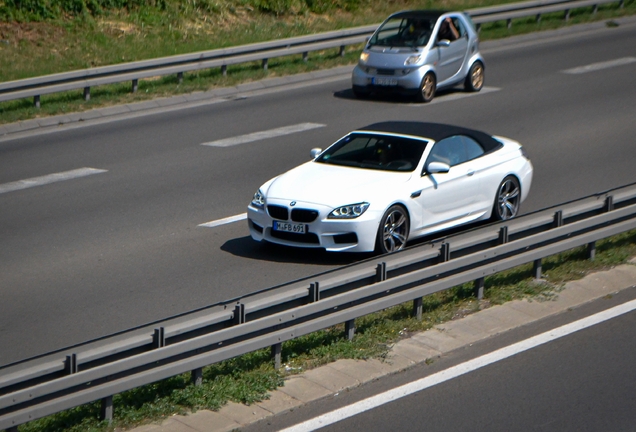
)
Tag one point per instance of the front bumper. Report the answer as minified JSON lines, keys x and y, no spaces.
{"x":402,"y":81}
{"x":351,"y":235}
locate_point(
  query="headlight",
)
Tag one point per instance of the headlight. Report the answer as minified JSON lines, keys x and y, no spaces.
{"x":412,"y":60}
{"x":364,"y":57}
{"x":349,"y":211}
{"x":259,"y":199}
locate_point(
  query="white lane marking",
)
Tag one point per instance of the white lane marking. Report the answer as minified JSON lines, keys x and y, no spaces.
{"x":256,"y":136}
{"x":601,"y":65}
{"x":455,"y":96}
{"x":224,"y":221}
{"x":50,"y":178}
{"x":461,"y":369}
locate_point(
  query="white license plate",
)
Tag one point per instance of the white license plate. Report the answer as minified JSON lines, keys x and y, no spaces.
{"x":290,"y":227}
{"x":382,"y":81}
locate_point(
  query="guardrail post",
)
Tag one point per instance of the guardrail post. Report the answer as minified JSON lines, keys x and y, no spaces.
{"x":479,"y":288}
{"x":417,"y":308}
{"x":264,"y":64}
{"x":342,"y":50}
{"x":276,"y":355}
{"x":380,"y":272}
{"x":558,"y":219}
{"x":196,"y":376}
{"x":621,"y":4}
{"x":106,"y":410}
{"x":159,"y":338}
{"x":567,"y":15}
{"x":305,"y":54}
{"x":239,"y":313}
{"x":314,"y":292}
{"x":536,"y":269}
{"x":180,"y":77}
{"x":87,"y":94}
{"x":135,"y":85}
{"x":595,"y":9}
{"x":444,"y":252}
{"x":538,"y":18}
{"x":609,"y":204}
{"x":224,"y":70}
{"x":350,"y":329}
{"x":509,"y":23}
{"x":503,"y":235}
{"x":70,"y":365}
{"x":36,"y":101}
{"x":591,"y":251}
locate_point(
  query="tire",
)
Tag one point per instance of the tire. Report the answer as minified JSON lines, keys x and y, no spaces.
{"x":475,"y":79}
{"x":507,"y":200}
{"x":427,"y":88}
{"x":393,"y":231}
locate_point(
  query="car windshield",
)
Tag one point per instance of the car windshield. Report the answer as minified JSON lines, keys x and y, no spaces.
{"x":403,"y":32}
{"x":373,"y":151}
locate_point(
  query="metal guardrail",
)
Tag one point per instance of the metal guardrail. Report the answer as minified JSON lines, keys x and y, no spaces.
{"x":179,"y":64}
{"x":99,"y":369}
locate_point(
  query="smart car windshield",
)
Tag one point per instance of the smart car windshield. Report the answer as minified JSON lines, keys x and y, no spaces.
{"x":403,"y":32}
{"x":371,"y":151}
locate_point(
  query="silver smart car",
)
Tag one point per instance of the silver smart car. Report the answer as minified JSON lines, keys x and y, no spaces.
{"x":419,"y":52}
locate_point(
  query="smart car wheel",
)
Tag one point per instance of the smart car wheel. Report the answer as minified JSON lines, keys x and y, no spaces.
{"x":427,"y":88}
{"x":393,"y":231}
{"x":475,"y":78}
{"x":508,"y":199}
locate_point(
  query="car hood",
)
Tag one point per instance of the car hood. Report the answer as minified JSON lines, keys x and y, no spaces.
{"x":331,"y":185}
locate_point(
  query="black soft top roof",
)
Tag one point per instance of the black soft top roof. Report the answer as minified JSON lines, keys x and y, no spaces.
{"x":433,"y":131}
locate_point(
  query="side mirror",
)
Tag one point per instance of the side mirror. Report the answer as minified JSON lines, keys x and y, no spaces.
{"x":315,"y":152}
{"x":437,"y":167}
{"x":443,"y":43}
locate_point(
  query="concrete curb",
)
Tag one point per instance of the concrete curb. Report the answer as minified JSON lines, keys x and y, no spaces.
{"x":330,"y":379}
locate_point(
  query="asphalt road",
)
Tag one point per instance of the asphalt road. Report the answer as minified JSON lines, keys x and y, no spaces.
{"x":581,"y":382}
{"x":89,"y":256}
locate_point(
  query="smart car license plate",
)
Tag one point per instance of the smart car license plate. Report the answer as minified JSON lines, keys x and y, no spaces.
{"x":382,"y":81}
{"x":290,"y":227}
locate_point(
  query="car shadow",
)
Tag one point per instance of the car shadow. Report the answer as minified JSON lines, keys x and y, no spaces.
{"x":246,"y":247}
{"x":392,"y":98}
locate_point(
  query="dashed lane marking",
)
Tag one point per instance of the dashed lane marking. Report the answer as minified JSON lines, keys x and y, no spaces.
{"x":47,"y":179}
{"x":593,"y":67}
{"x":257,"y":136}
{"x":224,"y":221}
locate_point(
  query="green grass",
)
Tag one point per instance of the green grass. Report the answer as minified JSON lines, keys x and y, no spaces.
{"x":71,"y":42}
{"x":248,"y":378}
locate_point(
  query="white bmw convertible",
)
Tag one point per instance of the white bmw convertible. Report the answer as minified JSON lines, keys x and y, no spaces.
{"x":381,"y":185}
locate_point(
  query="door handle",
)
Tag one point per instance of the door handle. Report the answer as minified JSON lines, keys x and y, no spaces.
{"x":470,"y":172}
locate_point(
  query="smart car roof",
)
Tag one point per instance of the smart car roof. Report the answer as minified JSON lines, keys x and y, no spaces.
{"x":434,"y":131}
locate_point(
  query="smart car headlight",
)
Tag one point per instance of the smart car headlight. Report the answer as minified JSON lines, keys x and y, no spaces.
{"x":364,"y":57}
{"x":351,"y":211}
{"x":259,"y":199}
{"x":412,"y":60}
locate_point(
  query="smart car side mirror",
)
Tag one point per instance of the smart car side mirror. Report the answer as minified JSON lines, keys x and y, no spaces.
{"x":437,"y":167}
{"x":315,"y":152}
{"x":443,"y":43}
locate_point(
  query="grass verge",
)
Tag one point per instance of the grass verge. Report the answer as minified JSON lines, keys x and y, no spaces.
{"x":121,"y":37}
{"x":247,"y":379}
